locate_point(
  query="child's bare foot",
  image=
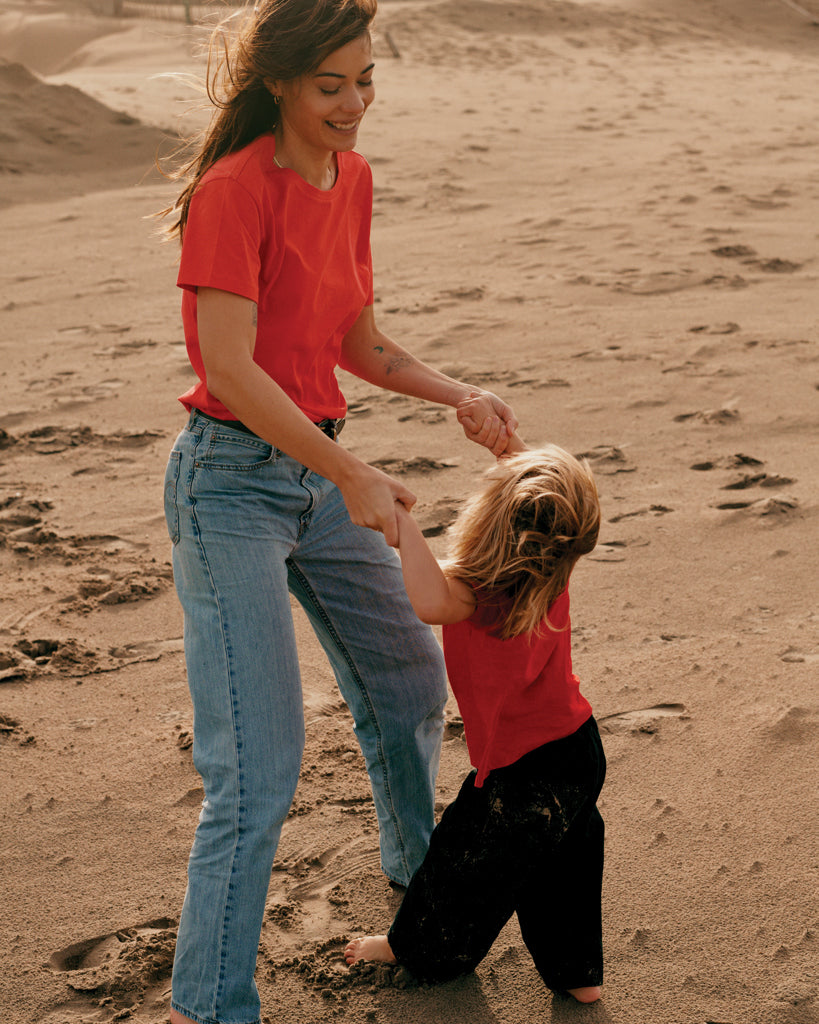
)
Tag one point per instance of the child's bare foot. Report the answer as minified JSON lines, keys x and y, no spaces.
{"x":371,"y":947}
{"x":590,"y":994}
{"x":177,"y":1018}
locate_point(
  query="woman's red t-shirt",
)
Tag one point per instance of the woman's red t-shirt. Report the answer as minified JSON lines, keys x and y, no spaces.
{"x":514,"y":695}
{"x":301,"y":253}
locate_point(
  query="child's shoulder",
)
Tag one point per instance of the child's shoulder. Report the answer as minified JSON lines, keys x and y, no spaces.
{"x":491,"y":609}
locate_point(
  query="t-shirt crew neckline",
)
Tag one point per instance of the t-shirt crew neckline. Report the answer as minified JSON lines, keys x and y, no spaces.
{"x":325,"y":194}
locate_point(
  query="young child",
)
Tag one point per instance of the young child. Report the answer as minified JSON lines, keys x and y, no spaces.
{"x":524,"y":834}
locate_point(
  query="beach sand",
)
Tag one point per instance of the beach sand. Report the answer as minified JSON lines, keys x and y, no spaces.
{"x":606,"y":211}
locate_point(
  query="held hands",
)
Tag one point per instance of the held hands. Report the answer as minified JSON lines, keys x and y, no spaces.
{"x":372,"y":499}
{"x":490,"y":422}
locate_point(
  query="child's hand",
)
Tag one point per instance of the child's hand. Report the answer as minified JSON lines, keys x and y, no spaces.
{"x":513,"y":446}
{"x":487,"y":420}
{"x":402,"y":513}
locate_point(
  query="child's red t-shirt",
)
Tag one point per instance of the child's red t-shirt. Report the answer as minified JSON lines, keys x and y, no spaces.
{"x":300,"y":253}
{"x":514,"y":695}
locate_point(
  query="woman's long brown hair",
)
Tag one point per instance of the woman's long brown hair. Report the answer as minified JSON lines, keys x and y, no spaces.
{"x":281,"y":40}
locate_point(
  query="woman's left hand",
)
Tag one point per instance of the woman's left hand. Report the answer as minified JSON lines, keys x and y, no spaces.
{"x":487,"y":420}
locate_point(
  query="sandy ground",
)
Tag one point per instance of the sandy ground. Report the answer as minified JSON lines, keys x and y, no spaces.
{"x":609,"y":212}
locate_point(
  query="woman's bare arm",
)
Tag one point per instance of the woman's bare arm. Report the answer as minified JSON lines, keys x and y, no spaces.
{"x":227,"y":337}
{"x":368,"y":353}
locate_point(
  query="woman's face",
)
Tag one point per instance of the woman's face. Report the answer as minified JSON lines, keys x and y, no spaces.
{"x":322,"y":111}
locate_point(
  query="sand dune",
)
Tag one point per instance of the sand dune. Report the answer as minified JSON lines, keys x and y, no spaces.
{"x":606,"y":211}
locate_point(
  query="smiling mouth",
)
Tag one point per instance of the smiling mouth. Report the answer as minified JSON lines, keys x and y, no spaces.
{"x":346,"y":127}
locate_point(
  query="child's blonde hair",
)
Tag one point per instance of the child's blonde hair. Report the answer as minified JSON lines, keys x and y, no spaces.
{"x":519,"y":538}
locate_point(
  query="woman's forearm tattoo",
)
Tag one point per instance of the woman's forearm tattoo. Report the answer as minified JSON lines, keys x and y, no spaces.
{"x":398,"y":363}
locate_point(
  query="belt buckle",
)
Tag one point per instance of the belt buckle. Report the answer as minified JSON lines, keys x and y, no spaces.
{"x":332,"y":428}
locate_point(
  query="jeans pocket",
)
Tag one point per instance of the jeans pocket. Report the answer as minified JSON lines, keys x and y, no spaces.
{"x":233,"y":452}
{"x":171,"y":498}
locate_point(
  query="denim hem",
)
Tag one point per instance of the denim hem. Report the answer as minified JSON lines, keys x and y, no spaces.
{"x":208,"y":1020}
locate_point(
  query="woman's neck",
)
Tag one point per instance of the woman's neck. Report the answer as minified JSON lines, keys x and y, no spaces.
{"x":317,"y":169}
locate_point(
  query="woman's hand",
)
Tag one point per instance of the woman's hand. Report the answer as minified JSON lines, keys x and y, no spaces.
{"x":487,"y":420}
{"x":371,"y":496}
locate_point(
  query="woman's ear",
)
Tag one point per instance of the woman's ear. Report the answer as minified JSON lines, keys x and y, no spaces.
{"x":274,"y":87}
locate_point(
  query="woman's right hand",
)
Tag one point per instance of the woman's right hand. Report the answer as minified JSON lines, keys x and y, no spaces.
{"x":370,"y":497}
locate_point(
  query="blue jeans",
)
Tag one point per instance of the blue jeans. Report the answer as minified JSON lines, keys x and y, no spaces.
{"x":249,"y":524}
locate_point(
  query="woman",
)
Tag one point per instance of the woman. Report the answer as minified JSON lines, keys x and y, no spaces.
{"x":260,"y":499}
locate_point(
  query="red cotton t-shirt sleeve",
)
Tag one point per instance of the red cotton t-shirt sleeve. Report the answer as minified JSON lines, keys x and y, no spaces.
{"x":221,"y":247}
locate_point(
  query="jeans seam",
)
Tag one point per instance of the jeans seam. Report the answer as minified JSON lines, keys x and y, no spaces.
{"x":366,"y":697}
{"x":236,"y":732}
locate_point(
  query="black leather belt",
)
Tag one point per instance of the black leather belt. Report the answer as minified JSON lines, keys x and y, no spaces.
{"x":332,"y":428}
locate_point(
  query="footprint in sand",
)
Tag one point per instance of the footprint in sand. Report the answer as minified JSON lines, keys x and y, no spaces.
{"x":719,"y":417}
{"x":512,"y":379}
{"x":796,"y":725}
{"x":778,"y":266}
{"x":10,"y":728}
{"x":18,"y":512}
{"x":67,"y":656}
{"x":734,"y":252}
{"x":89,"y":392}
{"x":418,"y":464}
{"x":37,"y":541}
{"x":27,"y":658}
{"x":53,"y":440}
{"x":757,"y":480}
{"x":729,"y":327}
{"x":317,"y":871}
{"x":644,"y":721}
{"x":649,"y":510}
{"x":727,"y":462}
{"x":113,"y":588}
{"x":608,"y":551}
{"x":126,"y":348}
{"x":436,"y":518}
{"x":128,"y":968}
{"x":94,"y":329}
{"x":665,"y":282}
{"x":748,"y":256}
{"x":454,"y":727}
{"x":776,"y":507}
{"x":607,"y":459}
{"x":426,"y":416}
{"x":148,"y":650}
{"x":15,"y":667}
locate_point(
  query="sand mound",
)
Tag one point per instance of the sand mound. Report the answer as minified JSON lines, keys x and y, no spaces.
{"x":59,"y":131}
{"x":608,"y":24}
{"x":43,"y":38}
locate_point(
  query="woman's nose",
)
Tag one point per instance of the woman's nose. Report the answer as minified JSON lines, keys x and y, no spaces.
{"x":354,"y":101}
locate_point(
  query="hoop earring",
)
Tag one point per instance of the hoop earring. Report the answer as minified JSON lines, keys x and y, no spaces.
{"x":276,"y":100}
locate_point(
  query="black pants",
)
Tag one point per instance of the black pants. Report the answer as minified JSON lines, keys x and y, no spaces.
{"x":529,"y":841}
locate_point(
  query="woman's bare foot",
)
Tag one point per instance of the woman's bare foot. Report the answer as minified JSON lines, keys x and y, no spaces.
{"x":371,"y":947}
{"x":590,"y":994}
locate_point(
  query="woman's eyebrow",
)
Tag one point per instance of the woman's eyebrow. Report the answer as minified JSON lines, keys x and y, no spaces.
{"x":335,"y":74}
